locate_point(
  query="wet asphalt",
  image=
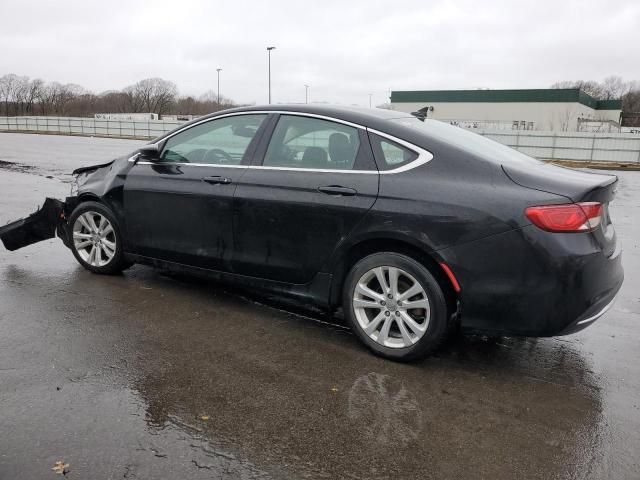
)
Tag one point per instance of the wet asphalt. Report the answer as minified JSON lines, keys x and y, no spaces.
{"x":149,"y":376}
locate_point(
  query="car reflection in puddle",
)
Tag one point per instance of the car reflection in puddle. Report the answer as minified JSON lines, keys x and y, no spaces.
{"x":384,"y":410}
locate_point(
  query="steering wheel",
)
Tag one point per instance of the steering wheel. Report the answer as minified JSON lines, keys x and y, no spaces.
{"x":216,"y":154}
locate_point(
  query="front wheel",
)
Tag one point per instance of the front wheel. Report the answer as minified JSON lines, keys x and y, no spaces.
{"x":96,"y":241}
{"x":395,"y":306}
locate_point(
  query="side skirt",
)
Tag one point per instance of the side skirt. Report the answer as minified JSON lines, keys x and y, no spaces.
{"x":313,"y":295}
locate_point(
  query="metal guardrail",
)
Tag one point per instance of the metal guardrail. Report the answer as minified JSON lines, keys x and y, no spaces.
{"x":89,"y":126}
{"x":573,"y":146}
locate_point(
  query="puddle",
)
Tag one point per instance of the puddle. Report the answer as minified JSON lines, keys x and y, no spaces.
{"x":16,"y":167}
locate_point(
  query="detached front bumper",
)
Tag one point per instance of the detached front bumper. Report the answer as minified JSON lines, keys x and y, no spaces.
{"x":40,"y":225}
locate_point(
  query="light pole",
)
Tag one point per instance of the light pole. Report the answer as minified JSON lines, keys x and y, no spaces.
{"x":306,"y":94}
{"x":269,"y":54}
{"x":370,"y":95}
{"x":218,"y":70}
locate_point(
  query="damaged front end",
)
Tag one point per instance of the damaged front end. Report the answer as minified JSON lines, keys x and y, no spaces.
{"x":50,"y":219}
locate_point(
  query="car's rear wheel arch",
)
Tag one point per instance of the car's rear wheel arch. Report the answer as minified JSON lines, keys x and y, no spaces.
{"x":364,"y":248}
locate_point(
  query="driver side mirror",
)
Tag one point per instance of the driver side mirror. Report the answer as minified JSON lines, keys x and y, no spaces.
{"x":151,"y":151}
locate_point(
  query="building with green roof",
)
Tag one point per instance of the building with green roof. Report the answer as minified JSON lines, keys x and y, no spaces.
{"x":565,"y":109}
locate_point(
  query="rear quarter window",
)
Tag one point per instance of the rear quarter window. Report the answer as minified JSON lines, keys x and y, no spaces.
{"x":389,"y":154}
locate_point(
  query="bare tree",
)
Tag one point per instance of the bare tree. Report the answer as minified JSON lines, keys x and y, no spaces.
{"x":153,"y":95}
{"x":33,"y":94}
{"x":8,"y":85}
{"x":588,"y":86}
{"x":20,"y":89}
{"x":631,"y":106}
{"x":611,"y":88}
{"x":113,"y":101}
{"x":614,"y":87}
{"x":631,"y":101}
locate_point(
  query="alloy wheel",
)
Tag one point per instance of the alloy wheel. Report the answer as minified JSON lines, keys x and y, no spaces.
{"x":94,"y":239}
{"x":391,"y":307}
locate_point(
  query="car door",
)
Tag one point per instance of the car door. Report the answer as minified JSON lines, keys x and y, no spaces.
{"x":178,"y":206}
{"x":316,"y":181}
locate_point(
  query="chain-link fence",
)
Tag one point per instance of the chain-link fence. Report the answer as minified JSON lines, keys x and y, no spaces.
{"x":571,"y":146}
{"x":89,"y":126}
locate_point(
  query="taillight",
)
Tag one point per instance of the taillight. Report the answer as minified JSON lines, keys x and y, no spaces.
{"x":567,"y":218}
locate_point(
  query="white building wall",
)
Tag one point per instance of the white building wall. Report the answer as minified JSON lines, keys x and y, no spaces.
{"x":612,"y":115}
{"x":550,"y":116}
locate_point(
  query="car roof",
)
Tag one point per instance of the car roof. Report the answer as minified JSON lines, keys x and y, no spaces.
{"x":370,"y":117}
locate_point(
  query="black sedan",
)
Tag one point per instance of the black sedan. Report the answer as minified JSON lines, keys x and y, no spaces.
{"x":413,"y":227}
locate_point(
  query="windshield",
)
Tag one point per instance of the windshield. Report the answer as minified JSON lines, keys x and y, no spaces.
{"x":466,"y":140}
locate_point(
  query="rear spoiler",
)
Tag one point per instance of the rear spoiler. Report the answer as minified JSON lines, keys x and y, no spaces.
{"x":423,"y":113}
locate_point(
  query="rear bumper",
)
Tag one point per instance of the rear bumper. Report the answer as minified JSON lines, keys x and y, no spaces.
{"x":589,"y":317}
{"x":533,"y":283}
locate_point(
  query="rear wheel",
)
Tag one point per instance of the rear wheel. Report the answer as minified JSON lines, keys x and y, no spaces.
{"x":96,"y":241}
{"x":395,"y":306}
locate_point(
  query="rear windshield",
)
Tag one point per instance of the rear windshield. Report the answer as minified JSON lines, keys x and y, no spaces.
{"x":467,"y":141}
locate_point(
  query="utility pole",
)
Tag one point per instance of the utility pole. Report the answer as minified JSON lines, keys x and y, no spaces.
{"x":218,"y":70}
{"x":269,"y":54}
{"x":306,"y":94}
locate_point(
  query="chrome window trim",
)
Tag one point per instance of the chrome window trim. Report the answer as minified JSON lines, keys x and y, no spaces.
{"x":182,"y":164}
{"x":262,"y":112}
{"x":424,"y":156}
{"x":317,"y":170}
{"x":261,"y":167}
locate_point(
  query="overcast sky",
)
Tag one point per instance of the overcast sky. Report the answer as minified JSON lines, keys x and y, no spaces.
{"x":343,"y":50}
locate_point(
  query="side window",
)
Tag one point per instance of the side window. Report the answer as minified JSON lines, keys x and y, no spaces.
{"x":220,"y":142}
{"x":304,"y":142}
{"x":390,"y":155}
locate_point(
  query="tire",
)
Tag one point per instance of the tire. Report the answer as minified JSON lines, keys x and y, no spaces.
{"x":106,"y":242}
{"x":412,"y":333}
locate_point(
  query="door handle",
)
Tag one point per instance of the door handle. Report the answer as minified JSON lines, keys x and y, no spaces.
{"x":337,"y":190}
{"x":217,"y":179}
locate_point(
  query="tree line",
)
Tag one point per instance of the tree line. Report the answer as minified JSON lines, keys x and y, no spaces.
{"x":20,"y":95}
{"x":612,"y":88}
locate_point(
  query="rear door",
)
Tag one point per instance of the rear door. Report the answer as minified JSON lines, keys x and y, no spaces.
{"x":314,"y":182}
{"x":179,"y":206}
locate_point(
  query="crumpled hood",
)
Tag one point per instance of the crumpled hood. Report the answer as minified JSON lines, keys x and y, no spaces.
{"x":92,"y":167}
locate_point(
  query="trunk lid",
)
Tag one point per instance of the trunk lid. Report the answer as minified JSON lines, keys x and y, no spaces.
{"x":576,"y":186}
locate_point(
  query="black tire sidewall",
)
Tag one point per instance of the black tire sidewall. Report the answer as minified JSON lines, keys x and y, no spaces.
{"x":437,"y":329}
{"x":117,"y":263}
